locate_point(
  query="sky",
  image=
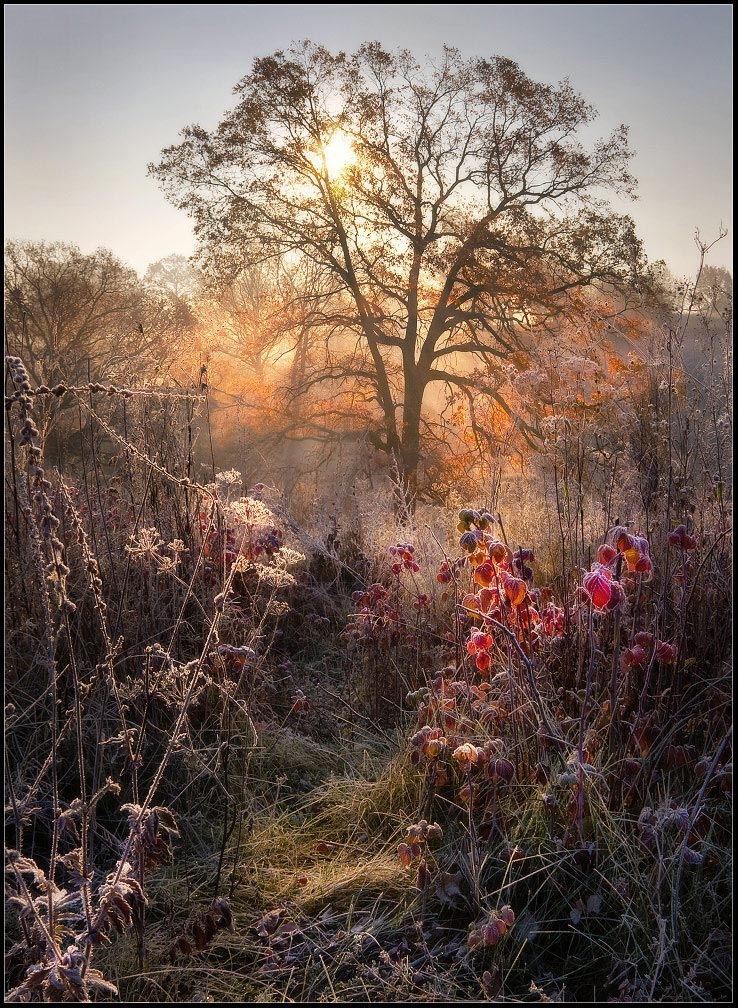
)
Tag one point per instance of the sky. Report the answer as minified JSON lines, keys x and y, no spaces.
{"x":94,"y":91}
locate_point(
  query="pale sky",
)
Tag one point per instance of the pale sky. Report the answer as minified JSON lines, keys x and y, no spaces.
{"x":94,"y":91}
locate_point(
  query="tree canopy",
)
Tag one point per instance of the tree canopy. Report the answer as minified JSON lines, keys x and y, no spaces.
{"x":449,"y":212}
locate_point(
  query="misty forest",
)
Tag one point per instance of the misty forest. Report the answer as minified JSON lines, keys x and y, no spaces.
{"x":368,"y":572}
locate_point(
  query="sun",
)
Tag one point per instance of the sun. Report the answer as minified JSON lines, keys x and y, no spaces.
{"x":338,"y":153}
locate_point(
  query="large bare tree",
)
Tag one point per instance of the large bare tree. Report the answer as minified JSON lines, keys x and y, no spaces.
{"x":452,"y":208}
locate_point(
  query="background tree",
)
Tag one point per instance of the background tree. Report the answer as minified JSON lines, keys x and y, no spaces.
{"x":246,"y":319}
{"x":174,"y":275}
{"x":452,"y":211}
{"x":69,"y":314}
{"x":179,"y":282}
{"x":76,"y":317}
{"x":262,"y":336}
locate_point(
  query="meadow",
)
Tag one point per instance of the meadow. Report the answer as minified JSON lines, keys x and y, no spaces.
{"x":402,"y":753}
{"x":368,"y":574}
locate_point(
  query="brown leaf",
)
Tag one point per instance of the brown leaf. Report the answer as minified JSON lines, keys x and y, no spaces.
{"x":210,"y":925}
{"x":268,"y":923}
{"x":180,"y":945}
{"x":226,"y":914}
{"x":199,"y":935}
{"x":405,"y":855}
{"x":424,"y":875}
{"x":491,"y":982}
{"x":447,"y":887}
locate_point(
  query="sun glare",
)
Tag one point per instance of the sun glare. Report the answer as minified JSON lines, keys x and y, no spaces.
{"x":339,"y":152}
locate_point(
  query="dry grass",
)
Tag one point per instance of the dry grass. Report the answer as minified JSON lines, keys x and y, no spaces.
{"x":212,"y":764}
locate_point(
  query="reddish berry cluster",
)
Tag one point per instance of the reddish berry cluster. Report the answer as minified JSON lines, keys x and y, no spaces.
{"x":405,"y":553}
{"x":492,"y":929}
{"x":644,"y":646}
{"x":300,"y":703}
{"x":682,"y":539}
{"x":417,"y":836}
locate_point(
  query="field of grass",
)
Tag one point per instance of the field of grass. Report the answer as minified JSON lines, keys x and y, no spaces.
{"x":417,"y":755}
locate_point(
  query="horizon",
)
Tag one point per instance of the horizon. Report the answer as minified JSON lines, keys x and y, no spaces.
{"x":81,"y":124}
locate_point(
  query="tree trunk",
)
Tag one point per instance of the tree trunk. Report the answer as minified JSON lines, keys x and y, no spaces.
{"x":409,"y":461}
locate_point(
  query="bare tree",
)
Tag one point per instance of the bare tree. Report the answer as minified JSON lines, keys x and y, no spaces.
{"x":174,"y":275}
{"x":245,"y":318}
{"x":70,"y":315}
{"x":75,"y":318}
{"x":451,"y":211}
